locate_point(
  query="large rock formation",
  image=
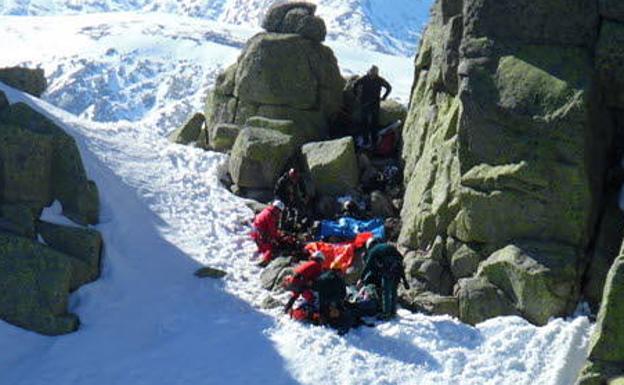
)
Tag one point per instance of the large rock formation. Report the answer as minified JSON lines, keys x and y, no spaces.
{"x":279,"y":76}
{"x":31,"y":81}
{"x":606,"y":358}
{"x":284,"y":90}
{"x":504,"y":149}
{"x":40,"y":263}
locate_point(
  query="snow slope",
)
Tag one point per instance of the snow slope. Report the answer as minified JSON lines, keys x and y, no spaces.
{"x":385,"y":26}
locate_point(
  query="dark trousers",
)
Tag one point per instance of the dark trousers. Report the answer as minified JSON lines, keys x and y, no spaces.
{"x":389,"y":286}
{"x":370,"y":119}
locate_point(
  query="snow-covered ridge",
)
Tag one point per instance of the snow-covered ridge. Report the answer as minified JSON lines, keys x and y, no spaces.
{"x":391,"y":27}
{"x":152,"y":67}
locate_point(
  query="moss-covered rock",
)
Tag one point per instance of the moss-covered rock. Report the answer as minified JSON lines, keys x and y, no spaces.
{"x":224,"y":136}
{"x":610,"y":61}
{"x":31,"y":81}
{"x":279,"y":76}
{"x":270,"y":274}
{"x":504,"y":141}
{"x":266,"y":56}
{"x":479,"y":300}
{"x":429,"y":303}
{"x":556,"y":22}
{"x":612,"y":9}
{"x":190,"y":131}
{"x":464,"y":262}
{"x":332,"y":165}
{"x":274,"y":19}
{"x":259,"y":156}
{"x":607,"y":343}
{"x":541,"y":279}
{"x":34,"y":285}
{"x":82,"y":244}
{"x":4,"y":102}
{"x":390,"y":111}
{"x":18,"y":219}
{"x":42,"y":163}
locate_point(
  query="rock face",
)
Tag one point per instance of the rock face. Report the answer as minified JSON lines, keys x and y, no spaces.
{"x":258,"y":157}
{"x":333,"y":165}
{"x":281,"y":74}
{"x":24,"y":79}
{"x":505,"y":143}
{"x":606,"y":358}
{"x":40,"y":263}
{"x":190,"y":131}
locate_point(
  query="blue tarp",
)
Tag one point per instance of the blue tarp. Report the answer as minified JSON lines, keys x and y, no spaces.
{"x":348,"y":228}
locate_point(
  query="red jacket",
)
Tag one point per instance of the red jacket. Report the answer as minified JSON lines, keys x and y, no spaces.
{"x":266,"y":225}
{"x":309,"y":270}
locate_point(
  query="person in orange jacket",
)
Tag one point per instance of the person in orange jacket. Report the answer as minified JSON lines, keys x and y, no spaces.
{"x":266,"y":231}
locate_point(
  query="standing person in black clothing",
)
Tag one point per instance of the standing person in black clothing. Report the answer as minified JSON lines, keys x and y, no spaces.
{"x":369,"y":87}
{"x":290,"y":190}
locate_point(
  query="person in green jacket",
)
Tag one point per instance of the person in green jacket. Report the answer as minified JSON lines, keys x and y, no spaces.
{"x":384,"y":269}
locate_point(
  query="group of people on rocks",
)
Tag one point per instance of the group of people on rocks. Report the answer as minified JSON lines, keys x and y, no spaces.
{"x":319,"y":292}
{"x":318,"y":287}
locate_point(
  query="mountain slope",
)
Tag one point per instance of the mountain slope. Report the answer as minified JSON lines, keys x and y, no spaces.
{"x":391,"y":27}
{"x":148,"y":321}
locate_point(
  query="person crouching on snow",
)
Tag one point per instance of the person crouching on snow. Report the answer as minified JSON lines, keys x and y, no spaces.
{"x":301,"y":282}
{"x":266,"y":231}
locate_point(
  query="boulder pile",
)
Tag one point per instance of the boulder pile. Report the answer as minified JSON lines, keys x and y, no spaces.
{"x":41,"y":262}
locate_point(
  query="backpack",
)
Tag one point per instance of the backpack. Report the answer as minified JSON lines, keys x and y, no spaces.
{"x":330,"y":287}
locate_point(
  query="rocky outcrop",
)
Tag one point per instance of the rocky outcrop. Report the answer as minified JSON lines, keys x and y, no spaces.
{"x":41,"y":263}
{"x":190,"y":131}
{"x":258,"y":156}
{"x":31,"y":81}
{"x":606,"y":357}
{"x":284,"y":74}
{"x":504,"y":148}
{"x":332,"y":165}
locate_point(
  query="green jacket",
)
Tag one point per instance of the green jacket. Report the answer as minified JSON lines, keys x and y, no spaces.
{"x":383,"y":260}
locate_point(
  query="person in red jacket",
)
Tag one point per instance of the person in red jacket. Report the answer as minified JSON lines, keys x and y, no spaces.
{"x":300,"y":284}
{"x":266,"y":231}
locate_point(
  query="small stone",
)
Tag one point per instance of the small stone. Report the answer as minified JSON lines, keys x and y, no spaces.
{"x":209,"y":272}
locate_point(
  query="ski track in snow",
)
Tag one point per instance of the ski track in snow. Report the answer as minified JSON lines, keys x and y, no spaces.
{"x":147,"y":320}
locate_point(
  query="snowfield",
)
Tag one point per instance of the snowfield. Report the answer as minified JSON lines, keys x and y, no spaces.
{"x":119,"y":83}
{"x":391,"y":27}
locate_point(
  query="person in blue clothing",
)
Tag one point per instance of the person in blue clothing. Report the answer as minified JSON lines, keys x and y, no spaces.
{"x":384,"y":269}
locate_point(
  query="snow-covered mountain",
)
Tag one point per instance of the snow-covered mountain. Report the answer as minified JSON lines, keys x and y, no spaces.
{"x":391,"y":27}
{"x":152,"y":67}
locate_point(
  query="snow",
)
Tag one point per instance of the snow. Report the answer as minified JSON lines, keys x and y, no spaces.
{"x":391,"y":27}
{"x":119,"y":84}
{"x":148,"y":67}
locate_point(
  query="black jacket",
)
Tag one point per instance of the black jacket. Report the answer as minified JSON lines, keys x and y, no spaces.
{"x":369,"y":88}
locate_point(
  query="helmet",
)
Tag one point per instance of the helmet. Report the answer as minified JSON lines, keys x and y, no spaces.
{"x":371,"y":242}
{"x":278,"y":204}
{"x":318,"y":255}
{"x":374,"y":70}
{"x":293,"y":174}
